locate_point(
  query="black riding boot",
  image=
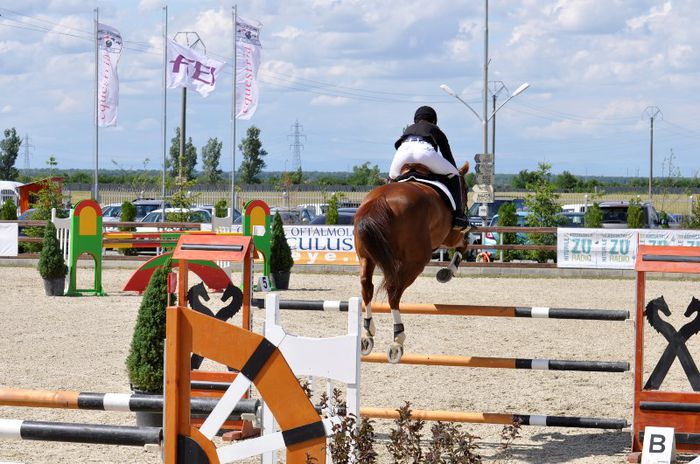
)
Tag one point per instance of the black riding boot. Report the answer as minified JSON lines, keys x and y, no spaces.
{"x":460,"y":220}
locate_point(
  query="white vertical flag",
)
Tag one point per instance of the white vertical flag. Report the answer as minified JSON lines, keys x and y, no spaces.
{"x":109,"y":42}
{"x":247,"y":64}
{"x":187,"y":68}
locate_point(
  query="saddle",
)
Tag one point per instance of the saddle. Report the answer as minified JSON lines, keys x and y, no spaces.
{"x":415,"y":172}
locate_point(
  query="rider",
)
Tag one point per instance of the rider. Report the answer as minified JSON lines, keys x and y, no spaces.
{"x":420,"y":143}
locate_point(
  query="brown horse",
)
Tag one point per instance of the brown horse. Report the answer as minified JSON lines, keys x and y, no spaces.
{"x":397,"y":227}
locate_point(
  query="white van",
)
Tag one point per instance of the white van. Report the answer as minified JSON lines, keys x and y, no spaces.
{"x":574,"y":208}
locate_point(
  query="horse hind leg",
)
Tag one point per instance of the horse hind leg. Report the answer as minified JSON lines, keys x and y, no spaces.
{"x":395,"y":350}
{"x":368,"y":327}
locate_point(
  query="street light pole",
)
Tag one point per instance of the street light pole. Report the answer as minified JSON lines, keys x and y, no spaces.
{"x":496,"y":88}
{"x":486,"y":78}
{"x":651,"y":112}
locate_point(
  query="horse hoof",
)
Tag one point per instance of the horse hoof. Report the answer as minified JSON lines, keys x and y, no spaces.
{"x":366,"y":345}
{"x":444,"y":275}
{"x":394,"y":353}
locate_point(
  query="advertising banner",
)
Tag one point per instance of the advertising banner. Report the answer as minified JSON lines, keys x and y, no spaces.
{"x":322,"y":244}
{"x":8,"y":239}
{"x":596,"y":248}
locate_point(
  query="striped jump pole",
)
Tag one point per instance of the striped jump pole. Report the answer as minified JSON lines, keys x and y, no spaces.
{"x":13,"y":429}
{"x":492,"y":418}
{"x":124,"y":402}
{"x":501,"y":363}
{"x":535,"y":312}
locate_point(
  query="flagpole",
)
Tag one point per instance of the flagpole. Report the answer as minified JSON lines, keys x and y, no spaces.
{"x":96,"y":188}
{"x":233,"y":113}
{"x":165,"y":104}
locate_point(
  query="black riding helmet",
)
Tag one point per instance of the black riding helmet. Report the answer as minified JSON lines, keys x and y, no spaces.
{"x":425,"y":113}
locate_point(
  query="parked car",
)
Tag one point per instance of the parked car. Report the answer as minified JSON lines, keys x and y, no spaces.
{"x":292,"y":216}
{"x":573,"y":219}
{"x":314,"y":209}
{"x":145,"y":206}
{"x":492,"y":210}
{"x":574,"y":208}
{"x":28,"y":215}
{"x":194,"y":215}
{"x":615,"y":215}
{"x":346,"y":217}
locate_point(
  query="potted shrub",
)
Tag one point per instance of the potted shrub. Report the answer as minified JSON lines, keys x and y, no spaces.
{"x":145,"y":361}
{"x":52,"y":266}
{"x":280,"y":255}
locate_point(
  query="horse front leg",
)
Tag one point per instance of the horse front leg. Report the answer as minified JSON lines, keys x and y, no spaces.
{"x":445,"y":274}
{"x":368,"y":327}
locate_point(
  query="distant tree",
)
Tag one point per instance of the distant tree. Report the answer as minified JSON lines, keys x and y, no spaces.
{"x":332,"y":212}
{"x":211,"y":155}
{"x":8,"y":212}
{"x":567,"y":182}
{"x":523,"y":178}
{"x":9,"y":149}
{"x":508,"y":217}
{"x":365,"y":175}
{"x":189,"y":160}
{"x":635,"y":215}
{"x":593,"y":217}
{"x":470,"y":179}
{"x":221,"y":208}
{"x":253,"y":155}
{"x":543,"y":207}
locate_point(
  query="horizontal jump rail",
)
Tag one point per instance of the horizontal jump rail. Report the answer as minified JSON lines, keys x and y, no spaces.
{"x":125,"y":402}
{"x":669,"y":406}
{"x":12,"y":429}
{"x":502,"y":363}
{"x":495,"y":418}
{"x":535,"y":312}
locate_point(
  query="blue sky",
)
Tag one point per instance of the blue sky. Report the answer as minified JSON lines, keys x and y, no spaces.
{"x":353,"y":72}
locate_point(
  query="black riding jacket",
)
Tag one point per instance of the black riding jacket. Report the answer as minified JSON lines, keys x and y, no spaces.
{"x":433,"y":135}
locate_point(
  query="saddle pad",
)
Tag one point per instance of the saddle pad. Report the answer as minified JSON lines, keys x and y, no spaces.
{"x":439,"y":186}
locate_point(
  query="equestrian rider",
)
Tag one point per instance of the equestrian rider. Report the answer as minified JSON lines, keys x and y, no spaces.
{"x":420,"y":143}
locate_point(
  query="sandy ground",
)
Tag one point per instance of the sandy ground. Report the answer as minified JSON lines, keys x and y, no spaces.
{"x":80,"y":344}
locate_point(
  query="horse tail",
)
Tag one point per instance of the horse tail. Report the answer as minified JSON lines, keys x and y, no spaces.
{"x":372,"y":228}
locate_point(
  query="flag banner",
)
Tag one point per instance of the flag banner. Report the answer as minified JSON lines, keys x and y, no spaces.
{"x":248,"y":50}
{"x":109,"y":43}
{"x":190,"y":69}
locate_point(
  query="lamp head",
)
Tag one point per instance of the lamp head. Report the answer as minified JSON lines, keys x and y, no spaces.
{"x":521,"y":89}
{"x":447,"y":90}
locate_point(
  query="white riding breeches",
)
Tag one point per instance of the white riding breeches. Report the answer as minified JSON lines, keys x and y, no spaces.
{"x":414,"y":151}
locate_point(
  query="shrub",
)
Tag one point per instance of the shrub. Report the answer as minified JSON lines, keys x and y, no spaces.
{"x":145,"y":361}
{"x":593,"y":217}
{"x":332,"y":213}
{"x":543,"y":207}
{"x":221,"y":208}
{"x":51,"y":262}
{"x":635,"y":215}
{"x":280,"y":254}
{"x":128,"y":215}
{"x":8,"y":212}
{"x":507,"y":217}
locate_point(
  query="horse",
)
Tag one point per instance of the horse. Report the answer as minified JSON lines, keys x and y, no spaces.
{"x":397,"y":227}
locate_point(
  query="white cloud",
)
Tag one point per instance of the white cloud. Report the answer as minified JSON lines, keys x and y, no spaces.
{"x":149,"y":5}
{"x":656,"y":12}
{"x":325,"y":100}
{"x":6,"y":109}
{"x":288,"y":33}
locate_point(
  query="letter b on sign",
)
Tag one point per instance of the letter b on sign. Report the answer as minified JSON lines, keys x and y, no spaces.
{"x":659,"y":445}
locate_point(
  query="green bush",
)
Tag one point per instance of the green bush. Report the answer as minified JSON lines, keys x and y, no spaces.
{"x":635,"y":215}
{"x":145,"y":361}
{"x":332,"y":212}
{"x":128,"y":215}
{"x":8,"y":212}
{"x":593,"y":217}
{"x":221,"y":208}
{"x":543,"y":207}
{"x":280,"y":253}
{"x":51,"y":262}
{"x":508,"y":217}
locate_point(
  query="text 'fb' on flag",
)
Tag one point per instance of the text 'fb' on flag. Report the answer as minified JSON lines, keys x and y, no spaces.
{"x":190,"y":69}
{"x":109,"y":45}
{"x":248,"y":51}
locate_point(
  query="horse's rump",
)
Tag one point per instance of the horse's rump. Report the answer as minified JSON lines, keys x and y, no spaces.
{"x":372,"y":231}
